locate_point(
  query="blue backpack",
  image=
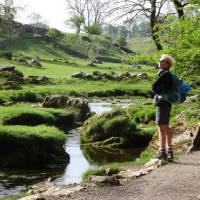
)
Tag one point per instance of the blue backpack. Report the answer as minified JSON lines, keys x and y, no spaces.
{"x":178,"y":92}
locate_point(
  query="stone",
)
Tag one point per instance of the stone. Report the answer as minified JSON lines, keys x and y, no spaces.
{"x":193,"y":98}
{"x":81,"y":104}
{"x":37,"y":79}
{"x":22,"y":59}
{"x":78,"y":75}
{"x":55,"y":101}
{"x":196,"y":139}
{"x":104,"y":180}
{"x":181,"y":118}
{"x":7,"y":68}
{"x":35,"y":61}
{"x":143,"y":76}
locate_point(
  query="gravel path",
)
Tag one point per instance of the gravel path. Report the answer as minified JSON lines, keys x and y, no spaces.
{"x":177,"y":181}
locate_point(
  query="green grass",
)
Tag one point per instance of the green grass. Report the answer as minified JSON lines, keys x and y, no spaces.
{"x":141,"y":44}
{"x":100,"y":172}
{"x":25,"y":114}
{"x":30,"y":133}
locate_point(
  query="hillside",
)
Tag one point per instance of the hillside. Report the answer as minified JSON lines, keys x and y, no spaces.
{"x":36,"y":42}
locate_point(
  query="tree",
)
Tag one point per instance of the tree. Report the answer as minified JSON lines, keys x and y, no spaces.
{"x":77,"y":22}
{"x":131,"y":10}
{"x":7,"y":14}
{"x":179,"y":6}
{"x":94,"y":29}
{"x":94,"y":11}
{"x":181,"y":39}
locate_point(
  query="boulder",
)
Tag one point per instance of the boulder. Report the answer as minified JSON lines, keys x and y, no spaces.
{"x":8,"y":68}
{"x":143,"y":76}
{"x":196,"y":139}
{"x":81,"y":104}
{"x":125,"y":75}
{"x":88,"y":77}
{"x":78,"y":75}
{"x":23,"y":60}
{"x":7,"y":55}
{"x":36,"y":62}
{"x":55,"y":101}
{"x":135,"y":67}
{"x":104,"y":180}
{"x":37,"y":79}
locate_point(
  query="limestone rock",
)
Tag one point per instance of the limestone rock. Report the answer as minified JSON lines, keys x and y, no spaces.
{"x":143,"y":76}
{"x":78,"y":75}
{"x":55,"y":101}
{"x":104,"y":180}
{"x":35,"y":61}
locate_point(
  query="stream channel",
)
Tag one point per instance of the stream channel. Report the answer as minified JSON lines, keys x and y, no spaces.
{"x":82,"y":158}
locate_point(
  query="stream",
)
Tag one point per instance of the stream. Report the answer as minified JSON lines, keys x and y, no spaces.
{"x":82,"y":158}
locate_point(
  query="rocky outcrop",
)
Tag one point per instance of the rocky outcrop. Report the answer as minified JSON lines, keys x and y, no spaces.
{"x":55,"y":101}
{"x":96,"y":75}
{"x":37,"y":79}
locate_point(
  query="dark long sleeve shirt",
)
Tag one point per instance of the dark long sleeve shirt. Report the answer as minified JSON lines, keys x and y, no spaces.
{"x":163,"y":84}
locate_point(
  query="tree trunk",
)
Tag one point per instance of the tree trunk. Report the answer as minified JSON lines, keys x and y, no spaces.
{"x":179,"y":8}
{"x":154,"y":28}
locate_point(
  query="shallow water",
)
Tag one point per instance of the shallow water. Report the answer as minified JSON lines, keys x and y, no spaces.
{"x":82,"y":158}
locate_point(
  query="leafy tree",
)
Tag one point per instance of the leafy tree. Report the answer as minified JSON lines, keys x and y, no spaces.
{"x":77,"y":22}
{"x":182,"y":41}
{"x":94,"y":29}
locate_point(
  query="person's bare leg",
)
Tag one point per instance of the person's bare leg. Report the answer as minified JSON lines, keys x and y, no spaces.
{"x":169,"y":144}
{"x":162,"y":136}
{"x":168,"y":137}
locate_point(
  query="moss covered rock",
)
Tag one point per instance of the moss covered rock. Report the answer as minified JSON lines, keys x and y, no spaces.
{"x":116,"y":125}
{"x":32,"y":147}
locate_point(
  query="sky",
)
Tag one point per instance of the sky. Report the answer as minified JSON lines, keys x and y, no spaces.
{"x":53,"y":12}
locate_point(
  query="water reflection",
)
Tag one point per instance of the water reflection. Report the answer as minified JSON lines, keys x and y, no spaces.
{"x":101,"y":156}
{"x":78,"y":164}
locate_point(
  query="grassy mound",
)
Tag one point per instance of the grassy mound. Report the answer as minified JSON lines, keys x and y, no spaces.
{"x":31,"y":147}
{"x":110,"y":126}
{"x":26,"y":115}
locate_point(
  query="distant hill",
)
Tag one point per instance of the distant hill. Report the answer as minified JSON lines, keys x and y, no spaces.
{"x":36,"y":42}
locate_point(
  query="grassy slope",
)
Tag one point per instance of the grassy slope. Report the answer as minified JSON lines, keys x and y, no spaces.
{"x":141,"y":45}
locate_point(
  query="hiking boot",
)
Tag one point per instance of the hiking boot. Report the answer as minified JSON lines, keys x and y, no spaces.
{"x":170,"y":157}
{"x":161,"y":154}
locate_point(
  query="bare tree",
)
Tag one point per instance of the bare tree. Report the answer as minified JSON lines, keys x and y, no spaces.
{"x":94,"y":11}
{"x":132,"y":10}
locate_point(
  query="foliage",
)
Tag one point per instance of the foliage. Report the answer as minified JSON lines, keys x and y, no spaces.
{"x":55,"y":33}
{"x":94,"y":29}
{"x":181,"y":39}
{"x":147,"y":59}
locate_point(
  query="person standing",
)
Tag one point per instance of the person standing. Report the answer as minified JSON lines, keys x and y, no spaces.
{"x":160,"y":87}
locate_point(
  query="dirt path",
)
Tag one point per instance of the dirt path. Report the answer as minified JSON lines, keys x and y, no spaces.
{"x":177,"y":181}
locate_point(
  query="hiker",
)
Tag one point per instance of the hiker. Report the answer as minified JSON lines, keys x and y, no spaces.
{"x":161,"y":86}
